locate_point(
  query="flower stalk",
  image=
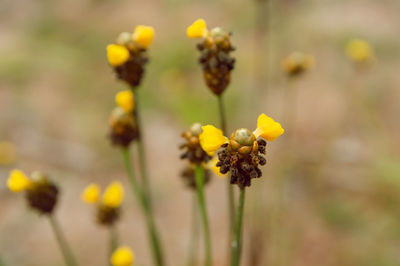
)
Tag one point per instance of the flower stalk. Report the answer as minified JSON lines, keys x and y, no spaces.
{"x":113,"y":240}
{"x":145,"y":205}
{"x":203,"y":213}
{"x":192,"y":253}
{"x":62,"y":242}
{"x":237,"y":241}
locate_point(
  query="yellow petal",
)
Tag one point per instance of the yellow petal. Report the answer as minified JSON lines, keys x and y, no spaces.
{"x":123,"y":256}
{"x":359,"y":50}
{"x":213,"y":166}
{"x":143,"y":35}
{"x":267,"y":128}
{"x":91,"y":194}
{"x":18,"y":181}
{"x":125,"y":99}
{"x":117,"y":54}
{"x":211,"y":139}
{"x":198,"y":29}
{"x":113,"y":195}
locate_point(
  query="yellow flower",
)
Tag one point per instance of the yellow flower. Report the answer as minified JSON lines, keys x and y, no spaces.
{"x":267,"y":128}
{"x":198,"y":29}
{"x":123,"y":256}
{"x":113,"y":195}
{"x":91,"y":194}
{"x":117,"y":54}
{"x":125,"y":99}
{"x":143,"y":35}
{"x":211,"y":139}
{"x":359,"y":50}
{"x":213,"y":166}
{"x":18,"y":181}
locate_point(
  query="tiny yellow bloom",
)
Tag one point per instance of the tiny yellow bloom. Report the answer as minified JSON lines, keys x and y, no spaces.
{"x":117,"y":54}
{"x":125,"y":99}
{"x":143,"y":35}
{"x":267,"y":128}
{"x":359,"y":50}
{"x":123,"y":256}
{"x":211,"y":139}
{"x":18,"y":181}
{"x":212,"y":164}
{"x":113,"y":195}
{"x":91,"y":194}
{"x":198,"y":29}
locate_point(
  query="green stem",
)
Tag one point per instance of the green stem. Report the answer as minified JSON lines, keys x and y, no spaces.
{"x":62,"y":242}
{"x":145,"y":204}
{"x":113,"y":240}
{"x":192,"y":256}
{"x":141,"y":149}
{"x":203,"y":212}
{"x":237,"y":241}
{"x":231,"y":199}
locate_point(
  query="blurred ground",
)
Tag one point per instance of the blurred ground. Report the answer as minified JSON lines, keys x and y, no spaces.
{"x":330,"y":190}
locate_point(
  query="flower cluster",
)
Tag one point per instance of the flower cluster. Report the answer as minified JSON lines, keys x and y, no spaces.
{"x":241,"y":154}
{"x":122,"y":256}
{"x":215,"y":58}
{"x":297,"y":63}
{"x":123,"y":126}
{"x":128,"y":55}
{"x":108,"y":209}
{"x":359,"y":51}
{"x":192,"y":149}
{"x":41,"y":193}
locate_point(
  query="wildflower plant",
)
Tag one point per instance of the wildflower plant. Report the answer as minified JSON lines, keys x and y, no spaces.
{"x":297,"y":63}
{"x":42,"y":196}
{"x":240,"y":155}
{"x":194,"y":153}
{"x":217,"y":64}
{"x":108,"y":209}
{"x":128,"y":57}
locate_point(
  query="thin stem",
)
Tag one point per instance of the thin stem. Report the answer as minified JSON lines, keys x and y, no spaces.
{"x":145,"y":204}
{"x":62,"y":242}
{"x":192,"y":256}
{"x":229,"y":187}
{"x":113,"y":240}
{"x":237,"y":241}
{"x":203,"y":212}
{"x":141,"y":149}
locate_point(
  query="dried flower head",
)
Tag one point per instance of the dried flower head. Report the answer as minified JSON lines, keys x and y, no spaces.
{"x":360,"y":51}
{"x":241,"y":154}
{"x":215,"y":58}
{"x":192,"y":149}
{"x":123,"y":127}
{"x":41,"y":194}
{"x":122,"y":256}
{"x":297,"y":63}
{"x":129,"y":55}
{"x":108,"y":209}
{"x":188,"y":175}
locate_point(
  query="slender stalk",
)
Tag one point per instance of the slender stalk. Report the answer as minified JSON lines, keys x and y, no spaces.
{"x":62,"y":242}
{"x":229,"y":188}
{"x":145,"y":204}
{"x":203,"y":212}
{"x":237,"y":241}
{"x":141,"y":149}
{"x":113,"y":240}
{"x":192,"y":256}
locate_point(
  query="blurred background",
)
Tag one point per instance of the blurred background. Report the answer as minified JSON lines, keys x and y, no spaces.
{"x":330,"y":192}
